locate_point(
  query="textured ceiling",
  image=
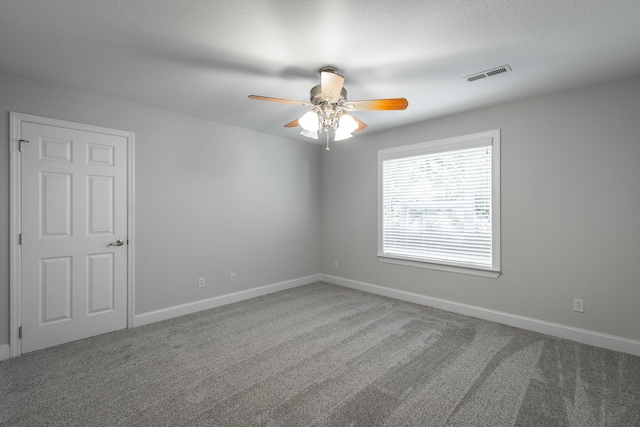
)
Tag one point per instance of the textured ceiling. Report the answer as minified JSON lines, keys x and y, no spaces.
{"x":203,"y":57}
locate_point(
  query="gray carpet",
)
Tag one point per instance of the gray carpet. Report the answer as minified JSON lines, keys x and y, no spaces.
{"x":327,"y":356}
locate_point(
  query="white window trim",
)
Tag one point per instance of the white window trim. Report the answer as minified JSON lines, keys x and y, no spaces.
{"x":449,"y":144}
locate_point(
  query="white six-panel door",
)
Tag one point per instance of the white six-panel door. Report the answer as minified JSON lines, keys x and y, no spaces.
{"x":74,"y":234}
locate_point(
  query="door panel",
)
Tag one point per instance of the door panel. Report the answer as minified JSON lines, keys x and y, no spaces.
{"x":55,"y":204}
{"x":55,"y":289}
{"x":55,"y":150}
{"x":100,"y":206}
{"x":74,"y":204}
{"x":100,"y":283}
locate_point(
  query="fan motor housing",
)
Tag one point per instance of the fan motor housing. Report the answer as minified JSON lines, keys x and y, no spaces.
{"x":317,"y":99}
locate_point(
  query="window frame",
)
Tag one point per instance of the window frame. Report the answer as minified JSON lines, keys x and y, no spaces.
{"x":445,"y":145}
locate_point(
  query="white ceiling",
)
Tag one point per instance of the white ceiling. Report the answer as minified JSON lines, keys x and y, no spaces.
{"x":203,"y":57}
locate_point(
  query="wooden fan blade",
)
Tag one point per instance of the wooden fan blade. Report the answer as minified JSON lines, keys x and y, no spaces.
{"x":286,"y":101}
{"x":292,"y":124}
{"x":377,"y":104}
{"x":331,"y":86}
{"x":361,"y":124}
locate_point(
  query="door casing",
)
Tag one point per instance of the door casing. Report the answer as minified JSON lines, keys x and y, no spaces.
{"x":15,"y":215}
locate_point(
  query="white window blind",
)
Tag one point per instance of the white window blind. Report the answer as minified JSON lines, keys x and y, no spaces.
{"x":437,"y":202}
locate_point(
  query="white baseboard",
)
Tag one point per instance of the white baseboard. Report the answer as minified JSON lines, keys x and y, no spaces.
{"x":5,"y":351}
{"x":193,"y":307}
{"x":584,"y":336}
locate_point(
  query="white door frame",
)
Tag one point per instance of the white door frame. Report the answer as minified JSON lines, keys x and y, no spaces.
{"x":15,"y":215}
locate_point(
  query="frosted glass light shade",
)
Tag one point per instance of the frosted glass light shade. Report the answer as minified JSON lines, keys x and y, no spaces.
{"x":309,"y":122}
{"x":340,"y":135}
{"x":347,"y":124}
{"x":309,"y":134}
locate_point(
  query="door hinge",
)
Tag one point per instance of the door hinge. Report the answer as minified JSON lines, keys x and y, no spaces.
{"x":20,"y":332}
{"x":20,"y":239}
{"x":21,"y":143}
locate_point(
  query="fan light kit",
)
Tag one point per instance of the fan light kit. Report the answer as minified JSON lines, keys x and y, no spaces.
{"x":330,"y":112}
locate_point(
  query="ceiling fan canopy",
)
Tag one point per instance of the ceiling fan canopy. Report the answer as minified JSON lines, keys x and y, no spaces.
{"x":331,"y":109}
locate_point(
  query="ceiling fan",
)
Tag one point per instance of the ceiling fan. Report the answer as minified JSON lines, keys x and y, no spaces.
{"x":331,"y":110}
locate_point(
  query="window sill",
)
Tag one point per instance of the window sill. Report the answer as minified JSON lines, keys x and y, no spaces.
{"x":440,"y":267}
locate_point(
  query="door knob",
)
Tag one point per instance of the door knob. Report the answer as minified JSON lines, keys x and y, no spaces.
{"x":118,"y":242}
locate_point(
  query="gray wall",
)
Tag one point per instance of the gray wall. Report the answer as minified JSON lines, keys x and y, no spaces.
{"x":210,"y":198}
{"x":570,"y":203}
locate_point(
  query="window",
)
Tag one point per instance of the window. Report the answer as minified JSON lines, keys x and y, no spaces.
{"x":439,"y":204}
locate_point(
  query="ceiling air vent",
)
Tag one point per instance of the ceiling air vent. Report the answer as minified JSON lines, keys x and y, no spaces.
{"x":488,"y":73}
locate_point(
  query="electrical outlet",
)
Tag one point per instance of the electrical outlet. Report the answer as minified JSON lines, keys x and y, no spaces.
{"x":335,"y":263}
{"x":201,"y":282}
{"x":232,"y":277}
{"x":578,"y":305}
